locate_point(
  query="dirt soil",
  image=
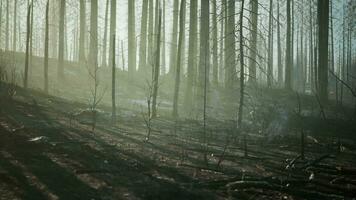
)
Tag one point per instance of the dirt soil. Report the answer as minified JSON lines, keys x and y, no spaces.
{"x":45,"y":153}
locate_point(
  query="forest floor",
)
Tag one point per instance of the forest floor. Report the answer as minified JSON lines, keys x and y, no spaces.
{"x":46,"y":153}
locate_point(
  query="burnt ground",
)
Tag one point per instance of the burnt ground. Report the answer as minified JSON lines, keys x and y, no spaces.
{"x":45,"y":154}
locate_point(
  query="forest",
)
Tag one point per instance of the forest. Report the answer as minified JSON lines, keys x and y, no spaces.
{"x":177,"y":99}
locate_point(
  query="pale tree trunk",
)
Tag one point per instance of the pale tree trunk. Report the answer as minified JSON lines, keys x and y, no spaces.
{"x":7,"y":26}
{"x":0,"y":23}
{"x":60,"y":68}
{"x":149,"y":60}
{"x":46,"y":50}
{"x":173,"y":51}
{"x":14,"y":27}
{"x":178,"y":65}
{"x":143,"y":37}
{"x":131,"y":39}
{"x":104,"y":57}
{"x":192,"y":51}
{"x":323,"y":22}
{"x":157,"y":65}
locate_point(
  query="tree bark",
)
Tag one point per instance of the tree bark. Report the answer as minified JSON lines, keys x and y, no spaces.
{"x":93,"y":52}
{"x":112,"y":31}
{"x":178,"y":65}
{"x":323,"y":22}
{"x":230,"y":54}
{"x":113,"y":82}
{"x":143,"y":37}
{"x":104,"y":57}
{"x":60,"y":69}
{"x":253,"y":41}
{"x":157,"y":66}
{"x":27,"y":45}
{"x":173,"y":51}
{"x":215,"y":43}
{"x":288,"y":67}
{"x":192,"y":51}
{"x":46,"y":50}
{"x":82,"y":31}
{"x":131,"y":39}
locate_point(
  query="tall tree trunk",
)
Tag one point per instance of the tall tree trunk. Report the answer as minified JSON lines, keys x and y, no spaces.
{"x":253,"y":41}
{"x":82,"y":31}
{"x":311,"y":56}
{"x":157,"y":65}
{"x":288,"y":67}
{"x":103,"y":60}
{"x":242,"y":76}
{"x":204,"y":58}
{"x":131,"y":39}
{"x":173,"y":51}
{"x":221,"y":38}
{"x":163,"y":63}
{"x":7,"y":38}
{"x":230,"y":54}
{"x":93,"y":52}
{"x":270,"y":46}
{"x":280,"y":66}
{"x":149,"y":59}
{"x":178,"y":65}
{"x":60,"y":68}
{"x":122,"y":55}
{"x":143,"y":37}
{"x":46,"y":50}
{"x":112,"y":31}
{"x":113,"y":81}
{"x":0,"y":23}
{"x":215,"y":43}
{"x":192,"y":51}
{"x":14,"y":27}
{"x":323,"y":22}
{"x":27,"y":45}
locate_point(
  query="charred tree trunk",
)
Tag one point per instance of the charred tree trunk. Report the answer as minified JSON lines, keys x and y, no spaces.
{"x":112,"y":31}
{"x":323,"y":22}
{"x":288,"y":67}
